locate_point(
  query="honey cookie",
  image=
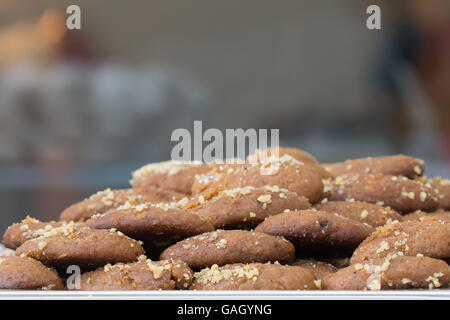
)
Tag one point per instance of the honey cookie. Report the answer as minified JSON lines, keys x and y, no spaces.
{"x":254,"y":276}
{"x":28,"y":228}
{"x":400,"y":193}
{"x":286,"y":172}
{"x":421,"y":216}
{"x":399,"y":272}
{"x":169,"y":175}
{"x":28,"y":274}
{"x":317,"y":233}
{"x":142,"y":275}
{"x":158,"y":225}
{"x":442,"y":188}
{"x":370,"y":213}
{"x":319,"y":268}
{"x":429,"y":238}
{"x":108,"y":199}
{"x":247,"y":206}
{"x":82,"y":246}
{"x":398,"y":165}
{"x":261,"y":155}
{"x":230,"y":246}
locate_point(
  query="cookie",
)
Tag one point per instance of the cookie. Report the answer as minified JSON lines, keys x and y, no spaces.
{"x":230,"y":246}
{"x":421,"y":216}
{"x":442,"y":188}
{"x":370,"y":213}
{"x":398,"y":165}
{"x":158,"y":225}
{"x":319,"y":268}
{"x":82,"y":246}
{"x":300,"y":155}
{"x":400,"y":272}
{"x":142,"y":275}
{"x":108,"y":199}
{"x":400,"y":193}
{"x":246,"y":207}
{"x":28,"y":228}
{"x":429,"y":238}
{"x":254,"y":276}
{"x":169,"y":175}
{"x":315,"y":233}
{"x":305,"y":179}
{"x":28,"y":274}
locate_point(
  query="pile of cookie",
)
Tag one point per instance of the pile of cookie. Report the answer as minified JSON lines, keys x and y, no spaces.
{"x":282,"y":222}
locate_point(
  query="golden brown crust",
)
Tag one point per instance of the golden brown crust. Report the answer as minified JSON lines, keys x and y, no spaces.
{"x":400,"y":193}
{"x":27,"y":229}
{"x":430,"y":238}
{"x":169,"y":175}
{"x":27,"y":273}
{"x":254,"y":276}
{"x":317,"y":233}
{"x":108,"y":199}
{"x":142,"y":275}
{"x":442,"y":188}
{"x":303,"y":178}
{"x":421,"y":216}
{"x":319,"y":268}
{"x":230,"y":246}
{"x":247,"y":206}
{"x":300,"y":155}
{"x":398,"y":165}
{"x":157,"y":225}
{"x":370,"y":213}
{"x":401,"y":272}
{"x":82,"y":246}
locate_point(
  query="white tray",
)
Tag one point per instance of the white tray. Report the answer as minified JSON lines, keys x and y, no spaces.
{"x":226,"y":295}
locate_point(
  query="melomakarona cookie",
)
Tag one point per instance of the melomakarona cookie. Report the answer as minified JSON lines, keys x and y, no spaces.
{"x":400,"y":193}
{"x":398,"y":272}
{"x":82,"y":246}
{"x":142,"y":275}
{"x":254,"y":276}
{"x":27,"y":273}
{"x":108,"y":199}
{"x":230,"y":246}
{"x":317,"y":233}
{"x":398,"y":165}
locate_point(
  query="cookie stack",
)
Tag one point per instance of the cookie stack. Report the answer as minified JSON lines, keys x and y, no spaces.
{"x":364,"y":224}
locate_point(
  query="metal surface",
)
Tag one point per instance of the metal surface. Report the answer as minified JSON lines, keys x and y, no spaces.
{"x":226,"y":295}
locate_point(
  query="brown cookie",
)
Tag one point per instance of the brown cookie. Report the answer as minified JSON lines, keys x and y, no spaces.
{"x":27,"y":273}
{"x":421,"y":216}
{"x":305,"y":179}
{"x":317,"y":233}
{"x":300,"y":155}
{"x":398,"y":165}
{"x":254,"y":276}
{"x":230,"y":246}
{"x":319,"y":268}
{"x":442,"y":188}
{"x":157,"y":225}
{"x":400,"y":193}
{"x":108,"y":199}
{"x":247,"y":206}
{"x":170,"y":175}
{"x":370,"y":213}
{"x":400,"y":272}
{"x":82,"y":246}
{"x":142,"y":275}
{"x":28,"y":228}
{"x":410,"y":238}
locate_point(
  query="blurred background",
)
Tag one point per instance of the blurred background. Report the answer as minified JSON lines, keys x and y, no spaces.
{"x":81,"y":109}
